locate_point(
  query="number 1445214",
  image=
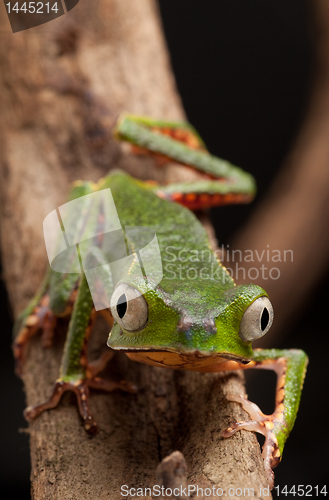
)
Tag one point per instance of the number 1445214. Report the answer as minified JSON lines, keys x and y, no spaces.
{"x":301,"y":490}
{"x":32,"y":7}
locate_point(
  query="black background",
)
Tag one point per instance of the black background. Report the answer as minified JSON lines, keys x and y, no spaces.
{"x":244,"y":71}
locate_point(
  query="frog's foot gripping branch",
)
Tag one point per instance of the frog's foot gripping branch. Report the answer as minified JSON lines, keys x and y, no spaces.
{"x":81,"y":389}
{"x":77,"y":374}
{"x":290,"y":367}
{"x":79,"y":382}
{"x":263,"y":424}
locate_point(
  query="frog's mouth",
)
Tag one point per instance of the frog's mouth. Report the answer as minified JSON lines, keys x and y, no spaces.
{"x":173,"y":358}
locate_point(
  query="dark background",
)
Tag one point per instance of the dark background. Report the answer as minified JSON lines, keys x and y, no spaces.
{"x":244,"y":71}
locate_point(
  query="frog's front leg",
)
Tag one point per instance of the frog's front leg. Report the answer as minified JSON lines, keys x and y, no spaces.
{"x":76,"y":374}
{"x":290,"y":367}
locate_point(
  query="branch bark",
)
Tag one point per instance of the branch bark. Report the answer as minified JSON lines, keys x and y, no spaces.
{"x":63,"y":86}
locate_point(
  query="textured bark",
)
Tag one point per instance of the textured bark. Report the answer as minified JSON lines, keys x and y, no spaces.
{"x":63,"y":86}
{"x":295,"y":214}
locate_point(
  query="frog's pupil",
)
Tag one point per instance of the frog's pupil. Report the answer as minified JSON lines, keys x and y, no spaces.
{"x":122,"y":306}
{"x":264,"y":319}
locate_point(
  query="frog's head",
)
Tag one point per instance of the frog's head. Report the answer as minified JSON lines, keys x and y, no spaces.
{"x":208,"y":320}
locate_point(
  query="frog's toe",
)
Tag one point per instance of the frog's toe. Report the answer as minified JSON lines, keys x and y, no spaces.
{"x":31,"y":412}
{"x":81,"y":390}
{"x":108,"y":385}
{"x":263,"y":424}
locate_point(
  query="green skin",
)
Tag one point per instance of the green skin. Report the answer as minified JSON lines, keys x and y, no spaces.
{"x":211,"y":299}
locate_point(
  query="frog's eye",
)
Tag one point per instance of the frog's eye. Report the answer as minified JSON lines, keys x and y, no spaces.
{"x":256,"y":320}
{"x":129,"y":308}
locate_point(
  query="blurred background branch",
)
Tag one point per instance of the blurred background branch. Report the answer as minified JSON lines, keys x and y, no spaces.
{"x":295,"y":214}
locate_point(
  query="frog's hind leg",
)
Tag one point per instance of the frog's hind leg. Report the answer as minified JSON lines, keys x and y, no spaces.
{"x":184,"y":132}
{"x":36,"y":317}
{"x":76,"y":373}
{"x":219,"y":183}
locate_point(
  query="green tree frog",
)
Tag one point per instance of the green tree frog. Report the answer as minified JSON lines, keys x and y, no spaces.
{"x":195,"y":318}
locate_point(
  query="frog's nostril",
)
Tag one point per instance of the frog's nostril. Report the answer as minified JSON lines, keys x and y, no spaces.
{"x":210,"y":325}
